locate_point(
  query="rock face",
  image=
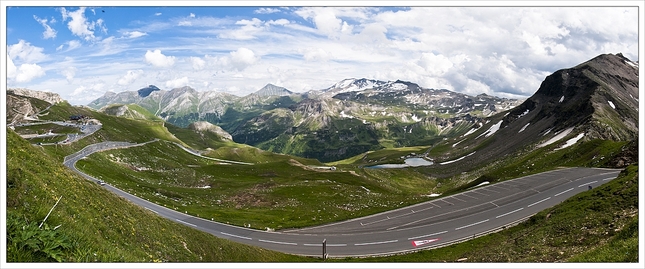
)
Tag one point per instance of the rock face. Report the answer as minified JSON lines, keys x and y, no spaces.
{"x":49,"y":97}
{"x":597,"y":99}
{"x":204,"y":126}
{"x":143,"y":92}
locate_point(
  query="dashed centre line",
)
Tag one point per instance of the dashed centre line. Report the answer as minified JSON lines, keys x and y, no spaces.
{"x":376,"y":243}
{"x":539,"y":202}
{"x":277,"y":242}
{"x":509,"y":212}
{"x":587,"y":183}
{"x":473,"y":224}
{"x":427,"y":235}
{"x":238,"y":236}
{"x":563,"y":192}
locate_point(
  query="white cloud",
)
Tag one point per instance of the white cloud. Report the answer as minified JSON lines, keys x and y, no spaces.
{"x":11,"y":69}
{"x":73,"y":44}
{"x":176,"y":83}
{"x":134,"y":34}
{"x":80,"y":26}
{"x":130,"y":77}
{"x":26,"y":52}
{"x":158,"y":14}
{"x":316,"y":54}
{"x":69,"y":73}
{"x":27,"y":72}
{"x":192,"y":15}
{"x":266,"y":10}
{"x":157,"y":59}
{"x":242,"y":58}
{"x":198,"y":63}
{"x":49,"y":32}
{"x":248,"y":30}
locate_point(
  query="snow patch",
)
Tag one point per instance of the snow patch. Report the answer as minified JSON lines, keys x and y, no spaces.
{"x":521,"y":130}
{"x":561,"y":99}
{"x":470,"y":131}
{"x":611,"y":104}
{"x":455,"y":144}
{"x":415,"y":119}
{"x":493,"y":129}
{"x":556,"y":137}
{"x":483,"y":183}
{"x":342,"y":114}
{"x":634,"y":65}
{"x":456,"y":160}
{"x":398,"y":86}
{"x":572,"y":141}
{"x":630,"y":95}
{"x":433,"y":195}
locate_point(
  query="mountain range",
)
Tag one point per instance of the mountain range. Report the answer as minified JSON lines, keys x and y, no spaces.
{"x":348,"y":118}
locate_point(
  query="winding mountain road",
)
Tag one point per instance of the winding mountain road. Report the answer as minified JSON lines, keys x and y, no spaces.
{"x":431,"y":224}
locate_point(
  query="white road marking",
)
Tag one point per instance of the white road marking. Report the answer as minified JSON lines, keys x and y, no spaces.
{"x":435,"y":205}
{"x":510,"y":212}
{"x":276,"y":242}
{"x":470,"y":196}
{"x":608,"y":179}
{"x":563,"y":192}
{"x":473,"y":224}
{"x":587,"y":183}
{"x":238,"y":236}
{"x":539,"y":202}
{"x":186,"y":223}
{"x":453,"y":197}
{"x":376,"y":243}
{"x":476,"y":191}
{"x":329,"y":245}
{"x":427,"y":235}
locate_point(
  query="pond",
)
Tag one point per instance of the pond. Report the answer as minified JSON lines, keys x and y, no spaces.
{"x":410,"y":162}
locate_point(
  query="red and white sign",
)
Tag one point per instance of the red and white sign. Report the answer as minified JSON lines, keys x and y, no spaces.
{"x":423,"y":242}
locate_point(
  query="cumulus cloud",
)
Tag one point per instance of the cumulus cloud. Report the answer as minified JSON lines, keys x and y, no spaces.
{"x":80,"y":26}
{"x":24,"y":51}
{"x":158,"y":14}
{"x":49,"y":32}
{"x":198,"y":63}
{"x":11,"y":69}
{"x":27,"y":72}
{"x":130,"y":77}
{"x":242,"y":58}
{"x":176,"y":83}
{"x":157,"y":59}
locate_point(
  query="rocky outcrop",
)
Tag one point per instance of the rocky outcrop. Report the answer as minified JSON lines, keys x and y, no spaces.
{"x":48,"y":97}
{"x":204,"y":126}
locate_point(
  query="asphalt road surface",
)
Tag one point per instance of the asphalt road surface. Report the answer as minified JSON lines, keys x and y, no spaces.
{"x":432,"y":224}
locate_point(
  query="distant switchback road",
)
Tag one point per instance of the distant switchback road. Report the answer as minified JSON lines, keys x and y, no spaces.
{"x":431,"y":224}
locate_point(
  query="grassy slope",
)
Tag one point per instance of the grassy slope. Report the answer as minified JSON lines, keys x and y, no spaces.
{"x":114,"y":129}
{"x":600,"y":225}
{"x":96,"y":225}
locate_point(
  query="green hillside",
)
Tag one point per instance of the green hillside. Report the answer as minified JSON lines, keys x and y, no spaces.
{"x":90,"y":224}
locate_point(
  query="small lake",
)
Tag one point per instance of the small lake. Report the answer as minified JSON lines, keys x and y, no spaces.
{"x":410,"y":162}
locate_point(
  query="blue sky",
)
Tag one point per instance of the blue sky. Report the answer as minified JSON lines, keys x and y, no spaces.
{"x":82,"y":52}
